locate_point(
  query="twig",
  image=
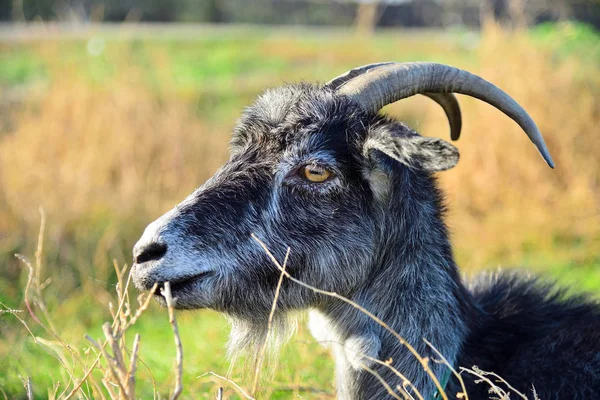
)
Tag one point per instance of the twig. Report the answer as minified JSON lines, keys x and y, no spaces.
{"x":405,"y":381}
{"x":50,"y":328}
{"x":494,"y":388}
{"x":34,"y":281}
{"x":232,"y":383}
{"x":480,"y":373}
{"x":534,"y":392}
{"x":117,"y":355}
{"x":26,"y":294}
{"x":111,"y":362}
{"x":132,"y":367}
{"x":166,"y":292}
{"x":117,"y":335}
{"x":383,"y":382}
{"x":423,"y":360}
{"x":88,"y":372}
{"x":21,"y":320}
{"x":261,"y":356}
{"x":39,"y":251}
{"x":140,"y":309}
{"x":28,"y":388}
{"x":460,"y":379}
{"x":151,"y":377}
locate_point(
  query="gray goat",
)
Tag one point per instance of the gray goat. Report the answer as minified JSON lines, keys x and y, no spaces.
{"x":352,"y":193}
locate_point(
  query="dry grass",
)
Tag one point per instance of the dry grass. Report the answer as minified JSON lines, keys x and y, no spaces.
{"x":118,"y":376}
{"x":121,"y":152}
{"x":105,"y":159}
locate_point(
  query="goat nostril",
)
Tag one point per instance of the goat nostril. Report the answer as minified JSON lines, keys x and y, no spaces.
{"x":153,"y":251}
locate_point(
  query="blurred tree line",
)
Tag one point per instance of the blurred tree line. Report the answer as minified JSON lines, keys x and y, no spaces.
{"x":367,"y":13}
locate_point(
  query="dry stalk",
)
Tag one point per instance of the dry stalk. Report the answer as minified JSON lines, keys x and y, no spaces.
{"x":120,"y":316}
{"x":405,"y":381}
{"x":237,"y":388}
{"x":34,"y":282}
{"x":48,"y":328}
{"x":132,"y":367}
{"x":383,"y":382}
{"x":166,"y":292}
{"x":89,"y":371}
{"x":454,"y":372}
{"x":38,"y":299}
{"x":499,"y":391}
{"x":155,"y":392}
{"x":39,"y":251}
{"x":118,"y":330}
{"x":493,"y":388}
{"x":54,"y":395}
{"x":143,"y":306}
{"x":534,"y":392}
{"x":261,"y":356}
{"x":21,"y":320}
{"x":424,"y":361}
{"x":388,"y":364}
{"x":115,"y":364}
{"x":116,"y":350}
{"x":117,"y":370}
{"x":28,"y":388}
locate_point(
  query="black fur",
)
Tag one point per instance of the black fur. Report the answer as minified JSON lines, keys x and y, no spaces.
{"x":534,"y":336}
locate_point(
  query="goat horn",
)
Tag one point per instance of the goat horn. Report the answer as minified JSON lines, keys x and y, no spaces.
{"x":447,"y":101}
{"x":395,"y":81}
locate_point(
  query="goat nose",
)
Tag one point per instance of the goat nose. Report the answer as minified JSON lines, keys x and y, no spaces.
{"x":149,"y":252}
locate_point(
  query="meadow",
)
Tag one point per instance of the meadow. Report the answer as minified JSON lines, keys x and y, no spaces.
{"x":105,"y":133}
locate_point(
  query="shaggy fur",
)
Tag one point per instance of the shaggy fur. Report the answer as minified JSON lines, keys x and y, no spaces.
{"x":373,"y":233}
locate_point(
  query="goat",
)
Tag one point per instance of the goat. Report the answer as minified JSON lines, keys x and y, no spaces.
{"x":314,"y":168}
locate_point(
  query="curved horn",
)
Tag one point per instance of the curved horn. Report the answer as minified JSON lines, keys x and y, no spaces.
{"x":396,"y":81}
{"x":447,"y":101}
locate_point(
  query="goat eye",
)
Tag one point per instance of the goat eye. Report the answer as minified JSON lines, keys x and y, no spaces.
{"x":316,"y":174}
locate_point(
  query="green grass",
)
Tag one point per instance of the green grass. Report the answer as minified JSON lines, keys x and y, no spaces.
{"x":569,"y":39}
{"x":19,"y":66}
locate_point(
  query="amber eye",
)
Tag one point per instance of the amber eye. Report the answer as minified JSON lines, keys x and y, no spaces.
{"x":315,"y":173}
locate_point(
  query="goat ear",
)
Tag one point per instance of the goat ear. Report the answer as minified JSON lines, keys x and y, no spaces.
{"x":414,"y":151}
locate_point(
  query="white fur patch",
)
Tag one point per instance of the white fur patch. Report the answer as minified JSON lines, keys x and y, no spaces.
{"x":353,"y":349}
{"x":321,"y":329}
{"x":379,"y":183}
{"x":357,"y":347}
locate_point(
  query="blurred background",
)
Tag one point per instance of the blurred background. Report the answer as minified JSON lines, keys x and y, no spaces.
{"x":113,"y":111}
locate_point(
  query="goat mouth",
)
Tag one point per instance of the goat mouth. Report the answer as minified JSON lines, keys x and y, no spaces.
{"x":178,"y":285}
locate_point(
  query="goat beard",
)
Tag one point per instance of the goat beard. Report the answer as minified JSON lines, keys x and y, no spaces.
{"x":253,"y":339}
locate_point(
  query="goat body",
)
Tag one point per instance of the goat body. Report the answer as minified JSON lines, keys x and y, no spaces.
{"x":371,"y":230}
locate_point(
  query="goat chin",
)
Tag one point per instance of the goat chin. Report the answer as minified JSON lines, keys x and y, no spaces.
{"x":248,"y":337}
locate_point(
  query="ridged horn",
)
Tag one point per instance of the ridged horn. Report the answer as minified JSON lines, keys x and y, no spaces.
{"x":447,"y":101}
{"x":391,"y":82}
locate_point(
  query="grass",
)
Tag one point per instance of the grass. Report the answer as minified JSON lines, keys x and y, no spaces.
{"x":108,"y":134}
